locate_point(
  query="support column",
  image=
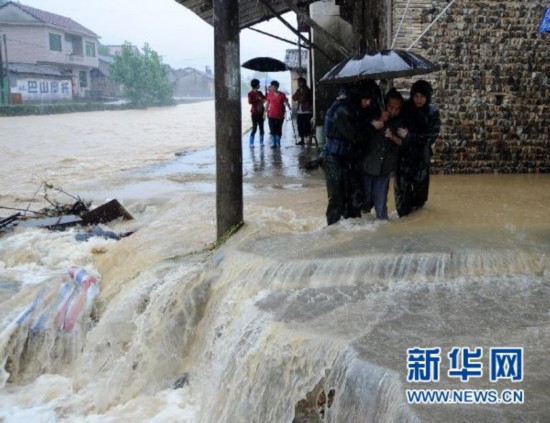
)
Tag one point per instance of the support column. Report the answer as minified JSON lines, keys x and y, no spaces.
{"x":375,"y":24}
{"x":8,"y":91}
{"x":359,"y":27}
{"x":229,"y":166}
{"x":1,"y":78}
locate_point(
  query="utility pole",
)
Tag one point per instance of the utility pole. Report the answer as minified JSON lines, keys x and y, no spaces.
{"x":1,"y":78}
{"x":7,"y":67}
{"x":229,"y":160}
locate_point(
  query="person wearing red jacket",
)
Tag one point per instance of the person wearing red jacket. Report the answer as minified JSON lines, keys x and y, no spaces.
{"x":275,"y":105}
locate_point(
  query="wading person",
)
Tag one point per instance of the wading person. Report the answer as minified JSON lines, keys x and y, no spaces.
{"x":381,"y":157}
{"x":256,"y":100}
{"x":422,"y":125}
{"x":275,"y":105}
{"x":304,"y":97}
{"x":370,"y":101}
{"x":340,"y":152}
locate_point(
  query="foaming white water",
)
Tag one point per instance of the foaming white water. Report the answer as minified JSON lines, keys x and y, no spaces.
{"x":287,"y":310}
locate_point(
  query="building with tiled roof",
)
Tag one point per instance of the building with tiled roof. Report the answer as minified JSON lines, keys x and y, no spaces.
{"x":56,"y":20}
{"x":38,"y":37}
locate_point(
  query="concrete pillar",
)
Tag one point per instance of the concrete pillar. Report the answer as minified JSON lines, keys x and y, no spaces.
{"x":229,"y":166}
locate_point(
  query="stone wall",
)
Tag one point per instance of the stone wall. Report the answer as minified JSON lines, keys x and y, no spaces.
{"x":492,"y":89}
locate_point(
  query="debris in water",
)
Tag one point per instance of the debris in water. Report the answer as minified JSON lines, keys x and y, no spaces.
{"x":10,"y":219}
{"x":63,"y":308}
{"x":87,"y":288}
{"x":106,"y":213}
{"x":181,"y":381}
{"x":58,"y":222}
{"x":60,"y":216}
{"x":100,"y":233}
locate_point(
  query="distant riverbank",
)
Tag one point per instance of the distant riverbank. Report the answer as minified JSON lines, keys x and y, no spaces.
{"x":58,"y":108}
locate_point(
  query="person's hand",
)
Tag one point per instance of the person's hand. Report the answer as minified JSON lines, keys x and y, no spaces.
{"x":392,"y":137}
{"x":402,"y":132}
{"x":378,"y":124}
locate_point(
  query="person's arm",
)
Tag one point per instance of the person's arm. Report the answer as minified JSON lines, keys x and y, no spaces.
{"x":343,"y":125}
{"x":429,"y":136}
{"x":392,"y":137}
{"x":287,"y":103}
{"x":266,"y":103}
{"x":434,"y":125}
{"x":251,"y":97}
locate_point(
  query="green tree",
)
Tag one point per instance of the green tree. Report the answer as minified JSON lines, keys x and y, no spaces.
{"x":103,"y":50}
{"x":143,"y":76}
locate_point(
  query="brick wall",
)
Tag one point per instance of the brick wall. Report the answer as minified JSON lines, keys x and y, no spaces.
{"x":493,"y":87}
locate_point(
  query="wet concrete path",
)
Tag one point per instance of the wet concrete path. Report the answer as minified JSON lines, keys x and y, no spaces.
{"x":263,"y":168}
{"x":289,"y":161}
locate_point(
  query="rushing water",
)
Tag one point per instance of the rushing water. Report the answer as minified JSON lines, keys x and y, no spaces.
{"x":287,"y":312}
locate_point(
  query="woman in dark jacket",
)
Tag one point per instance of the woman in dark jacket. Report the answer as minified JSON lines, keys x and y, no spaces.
{"x":422,"y":125}
{"x":381,"y":157}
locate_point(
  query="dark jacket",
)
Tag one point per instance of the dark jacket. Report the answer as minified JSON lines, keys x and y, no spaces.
{"x":365,"y":129}
{"x":424,"y":125}
{"x":304,"y":97}
{"x":382,"y":153}
{"x":340,"y":129}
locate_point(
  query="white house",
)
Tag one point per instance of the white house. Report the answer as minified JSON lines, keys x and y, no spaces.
{"x":37,"y":37}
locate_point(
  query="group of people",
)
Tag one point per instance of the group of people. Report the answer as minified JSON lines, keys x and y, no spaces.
{"x":273,"y":105}
{"x":369,"y":138}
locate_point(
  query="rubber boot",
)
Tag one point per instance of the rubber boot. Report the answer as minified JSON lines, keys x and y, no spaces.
{"x":261,"y":140}
{"x":251,"y":141}
{"x":278,"y":141}
{"x":273,"y":141}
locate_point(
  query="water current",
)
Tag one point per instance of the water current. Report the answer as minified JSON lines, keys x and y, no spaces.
{"x":289,"y":320}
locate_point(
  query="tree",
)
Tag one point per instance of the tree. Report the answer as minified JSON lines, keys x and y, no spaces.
{"x":103,"y":50}
{"x":143,"y":76}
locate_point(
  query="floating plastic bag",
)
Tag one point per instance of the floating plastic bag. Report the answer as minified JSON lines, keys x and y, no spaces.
{"x":63,"y":308}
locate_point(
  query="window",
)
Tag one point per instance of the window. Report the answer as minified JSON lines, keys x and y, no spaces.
{"x":90,"y":49}
{"x":83,"y":78}
{"x":55,"y":42}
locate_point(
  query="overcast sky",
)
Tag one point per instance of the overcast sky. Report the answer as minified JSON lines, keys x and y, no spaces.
{"x":177,"y":34}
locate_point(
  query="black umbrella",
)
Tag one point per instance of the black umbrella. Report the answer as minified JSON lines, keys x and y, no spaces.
{"x":265,"y":64}
{"x":384,"y":64}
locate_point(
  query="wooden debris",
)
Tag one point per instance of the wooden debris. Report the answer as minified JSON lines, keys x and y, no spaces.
{"x":106,"y":213}
{"x":57,"y":222}
{"x":9,"y":219}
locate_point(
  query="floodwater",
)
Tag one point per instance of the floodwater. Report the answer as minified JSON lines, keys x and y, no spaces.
{"x":286,"y":311}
